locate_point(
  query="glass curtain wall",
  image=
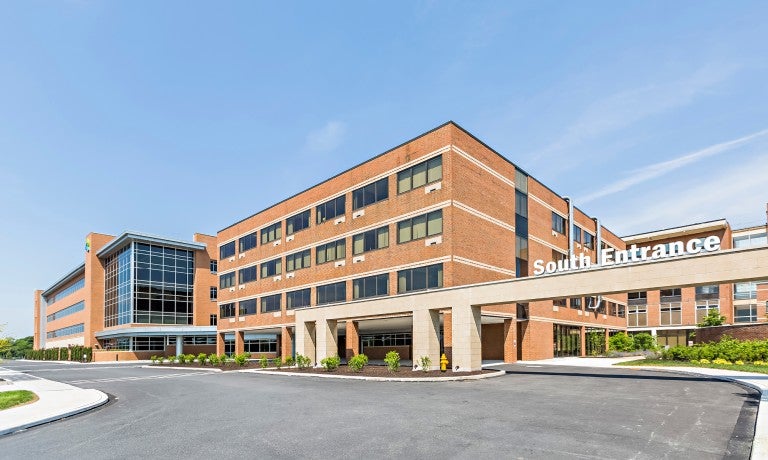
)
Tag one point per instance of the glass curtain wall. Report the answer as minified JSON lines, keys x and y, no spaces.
{"x":164,"y":278}
{"x":567,"y":340}
{"x":521,"y":224}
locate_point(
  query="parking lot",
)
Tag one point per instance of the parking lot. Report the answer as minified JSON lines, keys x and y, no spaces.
{"x":531,"y":412}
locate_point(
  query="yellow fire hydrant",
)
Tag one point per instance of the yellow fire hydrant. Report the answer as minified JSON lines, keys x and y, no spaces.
{"x":443,"y":363}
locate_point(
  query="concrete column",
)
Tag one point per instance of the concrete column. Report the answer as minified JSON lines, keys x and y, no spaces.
{"x":448,"y":337}
{"x":220,"y":343}
{"x":426,"y":337}
{"x":286,"y":342}
{"x":467,"y":345}
{"x":583,"y":340}
{"x":353,"y":339}
{"x":510,"y":340}
{"x":305,"y":340}
{"x":179,"y":345}
{"x":327,"y":340}
{"x":239,"y":342}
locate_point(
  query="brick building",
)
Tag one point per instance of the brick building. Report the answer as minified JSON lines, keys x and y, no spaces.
{"x":134,"y":296}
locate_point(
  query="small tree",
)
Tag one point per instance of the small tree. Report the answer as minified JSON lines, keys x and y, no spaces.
{"x":621,"y":342}
{"x":644,"y":341}
{"x":713,"y":318}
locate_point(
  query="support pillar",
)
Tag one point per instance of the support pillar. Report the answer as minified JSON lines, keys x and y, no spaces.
{"x":239,"y":342}
{"x":179,"y":345}
{"x":583,"y":340}
{"x":220,"y":343}
{"x":353,"y":339}
{"x":327,"y":340}
{"x":305,"y":340}
{"x":426,"y":338}
{"x":467,"y":345}
{"x":510,"y":340}
{"x":607,"y":336}
{"x":448,"y":337}
{"x":286,"y":342}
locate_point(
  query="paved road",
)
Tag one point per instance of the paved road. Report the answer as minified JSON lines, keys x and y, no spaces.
{"x":532,"y":412}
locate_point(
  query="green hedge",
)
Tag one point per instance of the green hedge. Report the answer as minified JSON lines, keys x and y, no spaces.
{"x":73,"y":353}
{"x":727,"y":348}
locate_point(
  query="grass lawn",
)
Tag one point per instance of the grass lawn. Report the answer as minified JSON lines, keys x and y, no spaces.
{"x":10,"y":399}
{"x":668,"y":363}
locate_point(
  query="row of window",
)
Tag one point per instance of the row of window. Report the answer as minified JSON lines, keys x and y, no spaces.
{"x":670,"y":314}
{"x":69,"y":330}
{"x":76,"y":286}
{"x":579,"y":235}
{"x":418,"y":227}
{"x":72,"y":309}
{"x":675,"y":294}
{"x":419,"y":175}
{"x":414,"y":279}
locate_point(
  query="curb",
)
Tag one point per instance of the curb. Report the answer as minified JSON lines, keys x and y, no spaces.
{"x":213,"y":369}
{"x":380,"y":379}
{"x":102,"y":399}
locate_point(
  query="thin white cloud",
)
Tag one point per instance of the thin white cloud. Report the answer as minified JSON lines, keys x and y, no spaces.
{"x":665,"y":167}
{"x":327,"y":138}
{"x":623,"y":109}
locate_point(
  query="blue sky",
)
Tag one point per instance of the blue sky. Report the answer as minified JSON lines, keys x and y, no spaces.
{"x":176,"y":117}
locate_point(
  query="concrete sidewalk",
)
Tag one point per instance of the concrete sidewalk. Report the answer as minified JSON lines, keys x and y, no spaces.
{"x":758,"y":382}
{"x":57,"y":400}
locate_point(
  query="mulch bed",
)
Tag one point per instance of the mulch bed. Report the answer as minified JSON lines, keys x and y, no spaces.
{"x":368,"y":371}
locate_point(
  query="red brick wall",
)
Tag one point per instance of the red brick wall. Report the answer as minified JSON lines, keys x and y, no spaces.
{"x":741,"y":332}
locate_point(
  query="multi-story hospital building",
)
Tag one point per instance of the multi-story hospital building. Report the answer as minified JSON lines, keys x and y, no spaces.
{"x":439,"y":211}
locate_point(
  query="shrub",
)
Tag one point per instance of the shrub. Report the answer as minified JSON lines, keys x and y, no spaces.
{"x":154,"y":359}
{"x":264,"y":362}
{"x":241,"y":359}
{"x":289,"y":361}
{"x":223,"y":359}
{"x":303,"y":362}
{"x":357,"y":362}
{"x":425,"y":363}
{"x":331,"y":363}
{"x":704,"y":361}
{"x":201,"y":357}
{"x":171,"y":359}
{"x":190,"y":358}
{"x":393,"y":360}
{"x":739,"y":363}
{"x":213,"y":358}
{"x":644,"y":341}
{"x":621,"y":342}
{"x":277,"y":362}
{"x":721,"y":361}
{"x":182,"y":359}
{"x":694,"y":361}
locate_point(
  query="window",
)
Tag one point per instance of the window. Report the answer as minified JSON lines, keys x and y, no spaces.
{"x":420,"y":226}
{"x":745,"y":313}
{"x":214,"y":293}
{"x":227,"y":310}
{"x":247,"y":307}
{"x":707,"y":292}
{"x":335,"y":250}
{"x":589,"y":240}
{"x":421,"y":174}
{"x":560,"y":302}
{"x":214,"y":266}
{"x":417,"y":279}
{"x":745,"y":291}
{"x":72,"y":309}
{"x":260,"y":345}
{"x":271,"y":233}
{"x":558,"y":223}
{"x":621,"y":311}
{"x":247,"y":275}
{"x":272,"y":268}
{"x":576,"y":303}
{"x":227,"y":250}
{"x":148,"y":343}
{"x":558,"y":256}
{"x":297,"y":299}
{"x":671,"y":314}
{"x":298,"y":222}
{"x":69,"y":330}
{"x":637,"y":298}
{"x":670,"y":295}
{"x":402,"y":339}
{"x":76,"y":286}
{"x":336,"y":292}
{"x":377,"y":238}
{"x":370,"y":286}
{"x":521,"y":203}
{"x":637,"y":315}
{"x":227,"y":280}
{"x":213,"y":320}
{"x":371,"y":193}
{"x":577,"y":234}
{"x":163,"y":287}
{"x":247,"y":242}
{"x":748,"y":241}
{"x":270,"y":303}
{"x":298,"y":260}
{"x":330,"y":209}
{"x":703,"y":307}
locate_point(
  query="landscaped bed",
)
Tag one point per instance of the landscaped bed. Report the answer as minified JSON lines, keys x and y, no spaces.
{"x":15,"y":398}
{"x":760,"y":369}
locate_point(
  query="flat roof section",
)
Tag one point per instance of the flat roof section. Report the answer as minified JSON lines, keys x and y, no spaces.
{"x":676,"y":231}
{"x":128,"y":237}
{"x":75,"y":273}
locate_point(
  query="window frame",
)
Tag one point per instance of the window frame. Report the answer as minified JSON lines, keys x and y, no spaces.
{"x":379,"y":189}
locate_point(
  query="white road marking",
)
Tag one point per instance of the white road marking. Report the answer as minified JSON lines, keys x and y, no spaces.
{"x":130,"y":379}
